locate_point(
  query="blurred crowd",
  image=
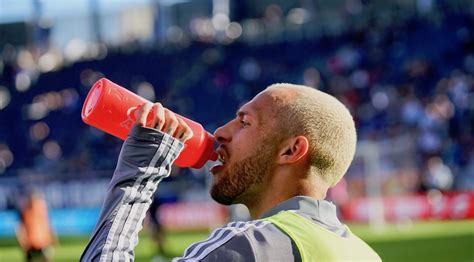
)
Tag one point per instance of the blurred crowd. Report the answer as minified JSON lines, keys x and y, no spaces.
{"x":410,"y":81}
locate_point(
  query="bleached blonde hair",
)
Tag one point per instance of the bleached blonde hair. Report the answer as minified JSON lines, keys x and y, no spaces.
{"x":324,"y":121}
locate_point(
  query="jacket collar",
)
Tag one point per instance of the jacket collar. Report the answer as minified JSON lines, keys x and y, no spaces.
{"x":321,"y":212}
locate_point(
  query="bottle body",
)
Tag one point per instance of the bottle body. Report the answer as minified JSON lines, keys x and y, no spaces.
{"x":109,"y":107}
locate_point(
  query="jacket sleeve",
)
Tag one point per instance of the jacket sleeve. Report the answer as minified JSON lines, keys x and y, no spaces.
{"x":144,"y":160}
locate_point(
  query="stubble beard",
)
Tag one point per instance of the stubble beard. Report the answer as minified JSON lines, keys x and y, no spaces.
{"x":244,"y":176}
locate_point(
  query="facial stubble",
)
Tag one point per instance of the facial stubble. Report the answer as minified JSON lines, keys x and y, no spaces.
{"x":240,"y":181}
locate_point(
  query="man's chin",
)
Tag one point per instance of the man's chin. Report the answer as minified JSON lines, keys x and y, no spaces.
{"x":223,"y":201}
{"x":220,"y":198}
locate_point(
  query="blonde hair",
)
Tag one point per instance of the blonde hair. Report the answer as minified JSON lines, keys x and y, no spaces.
{"x":325,"y":121}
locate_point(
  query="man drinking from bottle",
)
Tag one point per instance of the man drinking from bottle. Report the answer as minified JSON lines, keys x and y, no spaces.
{"x":279,"y":155}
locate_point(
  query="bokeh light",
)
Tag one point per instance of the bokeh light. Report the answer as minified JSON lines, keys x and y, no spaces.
{"x":22,"y":82}
{"x":39,"y":131}
{"x":52,"y":150}
{"x":5,"y":97}
{"x":6,"y":157}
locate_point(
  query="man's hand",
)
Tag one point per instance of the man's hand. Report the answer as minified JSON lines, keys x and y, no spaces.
{"x":163,"y":120}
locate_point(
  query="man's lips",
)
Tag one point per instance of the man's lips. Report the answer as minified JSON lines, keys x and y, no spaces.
{"x":216,"y":169}
{"x":221,"y":161}
{"x":222,"y":155}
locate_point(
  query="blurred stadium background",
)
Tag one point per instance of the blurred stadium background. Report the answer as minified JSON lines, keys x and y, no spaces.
{"x":405,"y":69}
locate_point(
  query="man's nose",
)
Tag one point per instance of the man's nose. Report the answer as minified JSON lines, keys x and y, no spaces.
{"x":222,"y":134}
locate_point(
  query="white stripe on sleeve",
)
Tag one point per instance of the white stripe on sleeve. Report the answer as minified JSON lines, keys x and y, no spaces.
{"x":122,"y":214}
{"x":219,"y":237}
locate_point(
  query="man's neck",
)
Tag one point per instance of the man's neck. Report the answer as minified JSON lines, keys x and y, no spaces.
{"x":277,"y":192}
{"x":265,"y":203}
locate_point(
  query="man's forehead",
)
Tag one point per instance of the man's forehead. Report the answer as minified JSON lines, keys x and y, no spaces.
{"x":248,"y":109}
{"x":258,"y":103}
{"x":261,"y":106}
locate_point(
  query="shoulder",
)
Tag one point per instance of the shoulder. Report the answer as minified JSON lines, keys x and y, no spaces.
{"x":242,"y":241}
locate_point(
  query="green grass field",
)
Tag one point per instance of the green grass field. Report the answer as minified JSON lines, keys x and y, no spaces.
{"x":425,"y":241}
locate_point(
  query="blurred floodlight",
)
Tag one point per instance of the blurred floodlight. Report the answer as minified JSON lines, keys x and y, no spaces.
{"x":445,"y":106}
{"x":252,"y":28}
{"x":298,"y":16}
{"x":22,"y":81}
{"x":203,"y":28}
{"x":70,"y":98}
{"x":441,"y":109}
{"x":53,"y":100}
{"x":52,"y":150}
{"x":5,"y":97}
{"x":349,"y":57}
{"x":360,"y":78}
{"x":220,"y":17}
{"x":273,"y":14}
{"x":75,"y":50}
{"x":37,"y":111}
{"x":146,"y":91}
{"x":6,"y":157}
{"x":50,"y":61}
{"x":39,"y":131}
{"x":46,"y":99}
{"x":47,"y":62}
{"x":220,"y":21}
{"x":380,"y":100}
{"x":233,"y":30}
{"x":250,"y":69}
{"x":25,"y":60}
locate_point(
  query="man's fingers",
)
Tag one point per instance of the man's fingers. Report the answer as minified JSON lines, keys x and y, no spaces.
{"x":183,"y":132}
{"x":171,"y":122}
{"x":141,"y":114}
{"x":158,"y":116}
{"x":160,"y":113}
{"x":163,"y":120}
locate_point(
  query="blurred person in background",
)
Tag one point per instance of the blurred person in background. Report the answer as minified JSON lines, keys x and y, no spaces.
{"x":438,"y":176}
{"x":279,"y":156}
{"x":156,"y":230}
{"x":34,"y":233}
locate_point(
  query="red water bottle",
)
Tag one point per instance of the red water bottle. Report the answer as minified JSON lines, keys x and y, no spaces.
{"x":109,"y":107}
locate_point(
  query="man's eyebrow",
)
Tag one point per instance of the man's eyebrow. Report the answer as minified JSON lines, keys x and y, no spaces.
{"x":253,"y":115}
{"x":241,"y":113}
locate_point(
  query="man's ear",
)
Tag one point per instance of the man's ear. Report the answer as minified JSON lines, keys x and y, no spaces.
{"x":293,"y":150}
